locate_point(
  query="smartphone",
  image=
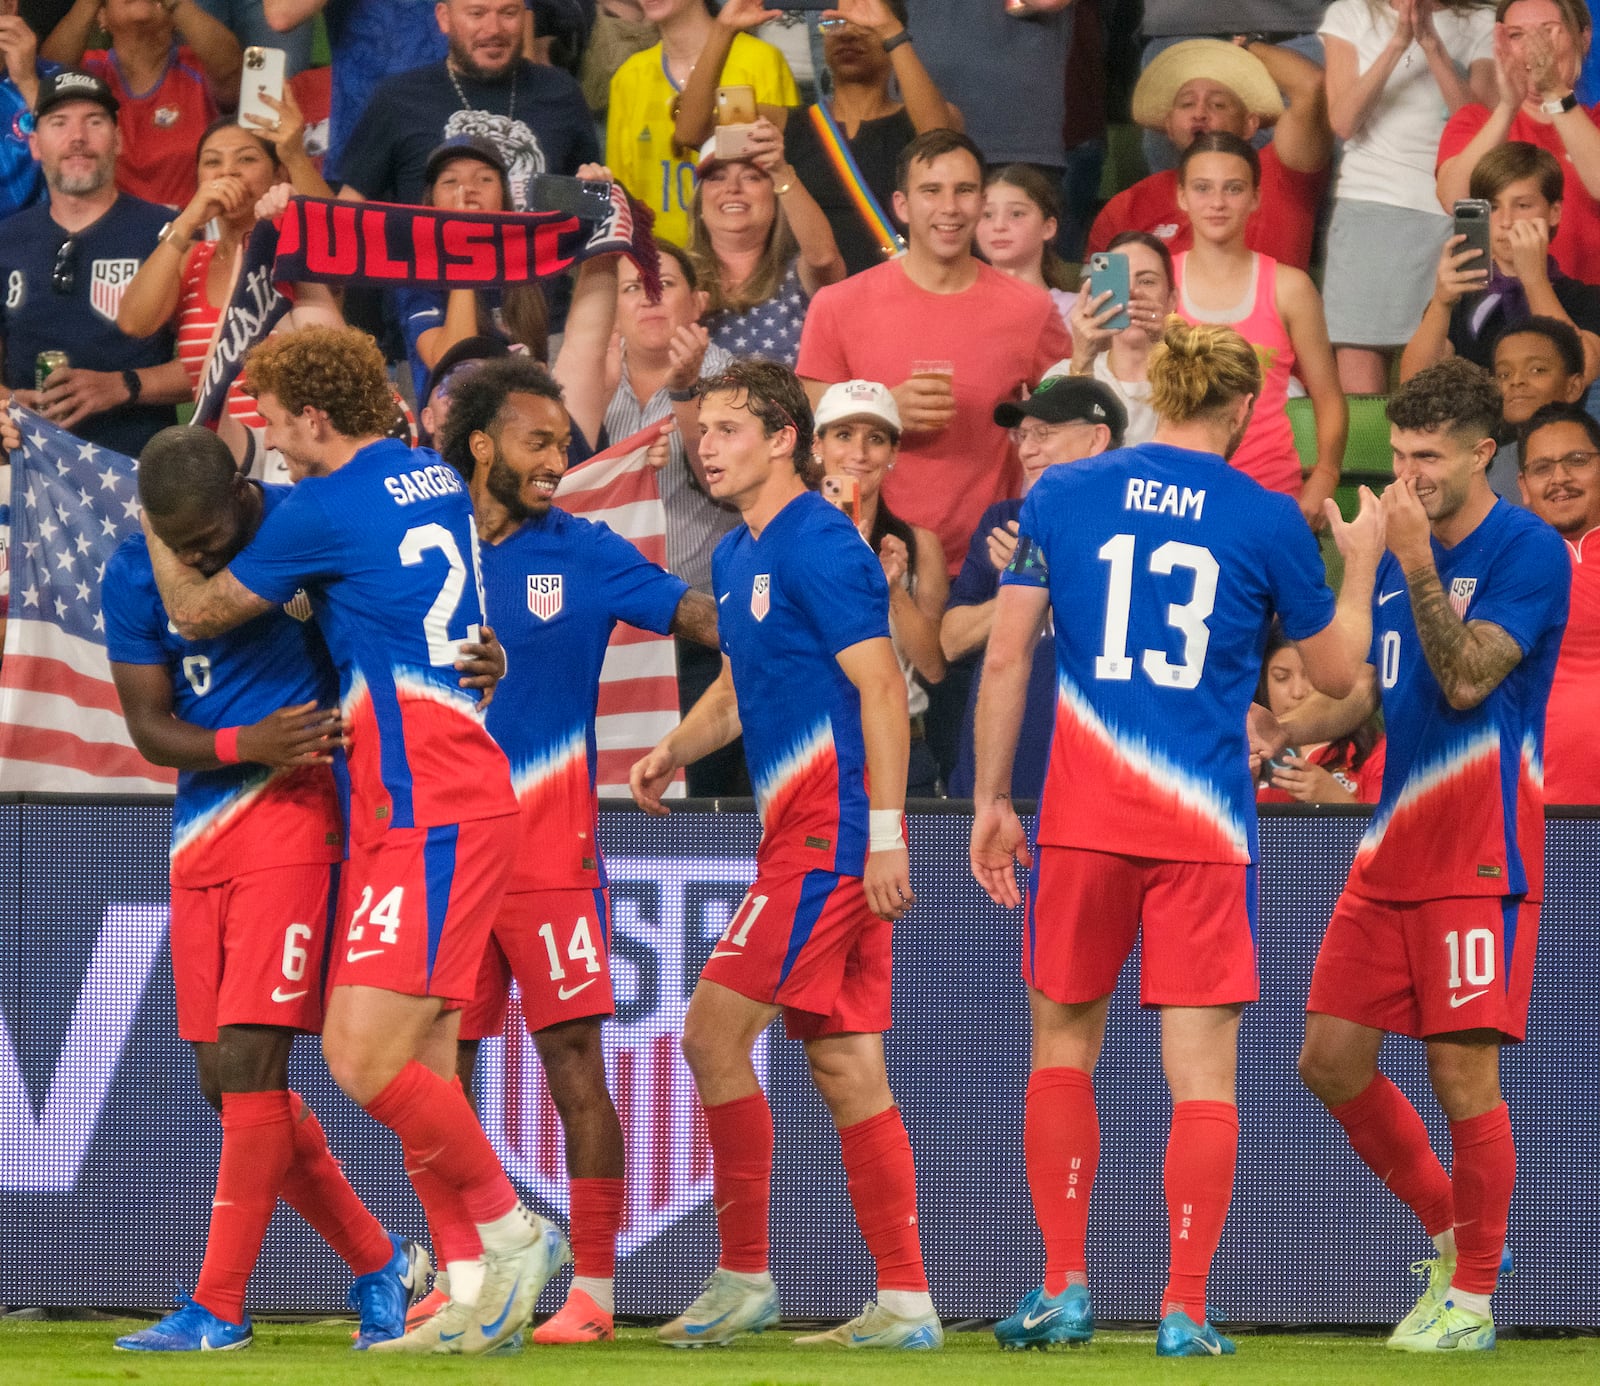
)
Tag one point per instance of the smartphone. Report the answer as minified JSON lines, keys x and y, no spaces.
{"x":262,"y":76}
{"x":1109,"y":270}
{"x":736,"y":105}
{"x":844,"y":492}
{"x":1278,"y":762}
{"x":1472,"y":221}
{"x":577,"y":197}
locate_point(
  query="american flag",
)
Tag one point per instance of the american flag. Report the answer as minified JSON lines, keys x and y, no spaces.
{"x":61,"y":727}
{"x":639,"y":679}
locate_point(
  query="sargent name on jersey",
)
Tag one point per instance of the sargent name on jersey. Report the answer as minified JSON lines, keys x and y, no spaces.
{"x":424,"y":482}
{"x":1162,"y":498}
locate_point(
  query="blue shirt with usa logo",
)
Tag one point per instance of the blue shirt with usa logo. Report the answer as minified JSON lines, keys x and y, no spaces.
{"x":555,"y":590}
{"x":1462,"y":808}
{"x":1164,"y":568}
{"x":242,"y":817}
{"x":387,"y":550}
{"x":788,"y":603}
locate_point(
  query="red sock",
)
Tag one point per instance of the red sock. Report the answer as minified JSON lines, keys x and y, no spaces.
{"x":1061,"y":1139}
{"x":450,"y":1226}
{"x":1485,"y":1170}
{"x":315,"y":1187}
{"x":740,"y":1134}
{"x":257,"y":1146}
{"x":883,"y":1191}
{"x":1202,"y":1149}
{"x":1386,"y":1132}
{"x":595,"y":1215}
{"x":439,"y":1132}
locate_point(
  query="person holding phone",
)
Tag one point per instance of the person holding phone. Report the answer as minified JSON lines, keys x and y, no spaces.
{"x":21,"y":179}
{"x":1275,"y":307}
{"x":1472,"y":302}
{"x":858,"y":439}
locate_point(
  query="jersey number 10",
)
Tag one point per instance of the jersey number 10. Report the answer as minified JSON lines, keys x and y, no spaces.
{"x":1189,"y":618}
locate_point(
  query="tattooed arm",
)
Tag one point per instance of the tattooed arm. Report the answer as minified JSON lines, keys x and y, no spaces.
{"x":1470,"y":658}
{"x":199,"y":606}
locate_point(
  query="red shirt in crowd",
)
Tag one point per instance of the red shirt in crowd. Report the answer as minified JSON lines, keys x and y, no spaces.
{"x":161,"y":128}
{"x":1571,"y":744}
{"x":1283,"y":226}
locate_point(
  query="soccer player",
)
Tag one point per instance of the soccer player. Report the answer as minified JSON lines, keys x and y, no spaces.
{"x":1162,"y":568}
{"x":257,"y":836}
{"x":554,"y":587}
{"x":810,"y":677}
{"x":381,"y":538}
{"x":1434,"y":935}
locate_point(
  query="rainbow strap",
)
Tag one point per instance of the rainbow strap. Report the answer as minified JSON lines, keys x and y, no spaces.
{"x":845,"y":169}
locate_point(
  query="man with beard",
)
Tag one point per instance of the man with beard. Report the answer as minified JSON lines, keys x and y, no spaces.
{"x":554,"y":587}
{"x":534,"y":114}
{"x":64,"y":265}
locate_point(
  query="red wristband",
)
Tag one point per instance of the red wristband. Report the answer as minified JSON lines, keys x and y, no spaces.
{"x":227,"y":745}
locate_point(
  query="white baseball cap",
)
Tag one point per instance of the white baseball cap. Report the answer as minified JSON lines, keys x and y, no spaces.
{"x":858,"y":399}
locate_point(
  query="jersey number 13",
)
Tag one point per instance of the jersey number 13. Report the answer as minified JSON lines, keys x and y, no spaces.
{"x":1188,"y":618}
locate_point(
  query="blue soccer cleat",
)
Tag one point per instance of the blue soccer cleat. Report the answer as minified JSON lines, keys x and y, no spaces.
{"x":382,"y":1297}
{"x":1181,"y":1336}
{"x":190,"y":1327}
{"x":1042,"y":1320}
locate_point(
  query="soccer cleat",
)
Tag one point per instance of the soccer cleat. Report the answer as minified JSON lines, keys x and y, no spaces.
{"x":383,"y":1296}
{"x":512,"y":1282}
{"x":1435,"y":1274}
{"x":728,"y":1307}
{"x":1452,"y":1329}
{"x":580,"y":1320}
{"x":190,"y":1327}
{"x":426,"y":1307}
{"x":1181,"y":1336}
{"x":1042,"y":1320}
{"x":445,"y":1332}
{"x":876,"y":1327}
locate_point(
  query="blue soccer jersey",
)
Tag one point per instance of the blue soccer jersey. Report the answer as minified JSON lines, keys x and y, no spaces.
{"x":787,"y":604}
{"x":387,"y":551}
{"x":240,"y":817}
{"x":1462,"y":811}
{"x":554,"y":590}
{"x":1164,"y":568}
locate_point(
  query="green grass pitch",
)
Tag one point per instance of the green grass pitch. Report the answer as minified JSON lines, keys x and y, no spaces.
{"x":318,"y":1354}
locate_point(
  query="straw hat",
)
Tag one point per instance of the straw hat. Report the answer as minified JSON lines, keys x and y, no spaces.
{"x":1224,"y":63}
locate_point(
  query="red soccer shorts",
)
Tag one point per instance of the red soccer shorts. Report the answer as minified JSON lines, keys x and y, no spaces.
{"x":1085,"y":909}
{"x":557,"y":944}
{"x":416,"y":906}
{"x":807,"y":941}
{"x":250,"y":951}
{"x":1428,"y":967}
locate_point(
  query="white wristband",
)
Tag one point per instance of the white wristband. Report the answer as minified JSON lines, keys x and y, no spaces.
{"x":885,"y":830}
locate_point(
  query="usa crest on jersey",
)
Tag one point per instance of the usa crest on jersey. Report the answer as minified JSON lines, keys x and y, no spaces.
{"x":1461,"y":590}
{"x":544,"y":594}
{"x":108,"y":281}
{"x":761,"y":596}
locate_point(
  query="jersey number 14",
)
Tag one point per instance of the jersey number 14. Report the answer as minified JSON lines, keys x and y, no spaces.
{"x":1188,"y":618}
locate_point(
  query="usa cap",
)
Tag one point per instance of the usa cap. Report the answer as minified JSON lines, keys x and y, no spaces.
{"x":858,"y":399}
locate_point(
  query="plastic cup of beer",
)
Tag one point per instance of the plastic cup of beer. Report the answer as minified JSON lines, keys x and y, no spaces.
{"x":945,"y":370}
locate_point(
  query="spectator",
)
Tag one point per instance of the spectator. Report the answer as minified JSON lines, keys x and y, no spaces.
{"x":21,"y":180}
{"x":1121,"y":360}
{"x":1536,"y":362}
{"x":1064,"y":420}
{"x":1394,"y":75}
{"x":1276,"y":308}
{"x":454,"y":365}
{"x":1560,"y":483}
{"x":1538,"y":48}
{"x":858,"y":438}
{"x":171,"y":66}
{"x":990,"y":334}
{"x":761,"y":247}
{"x":1472,"y":304}
{"x":864,"y":48}
{"x":188,"y":281}
{"x":1016,"y":232}
{"x":534,"y":114}
{"x":369,"y":40}
{"x":641,"y":145}
{"x":1204,"y":85}
{"x":66,"y":264}
{"x":250,"y":23}
{"x":620,"y":30}
{"x":1346,"y":771}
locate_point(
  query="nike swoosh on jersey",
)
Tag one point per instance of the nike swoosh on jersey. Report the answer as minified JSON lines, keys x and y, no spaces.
{"x":724,"y":597}
{"x":351,"y":955}
{"x":726,"y":953}
{"x":1389,"y":596}
{"x":1029,"y":1321}
{"x":279,"y":994}
{"x":1456,"y":1001}
{"x":567,"y":993}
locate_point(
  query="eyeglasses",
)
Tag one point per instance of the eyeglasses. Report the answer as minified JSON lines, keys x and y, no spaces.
{"x":64,"y":273}
{"x":1039,"y":434}
{"x":1573,"y":463}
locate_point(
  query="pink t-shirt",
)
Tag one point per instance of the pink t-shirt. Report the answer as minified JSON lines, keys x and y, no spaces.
{"x":1267,"y":452}
{"x":1000,"y":335}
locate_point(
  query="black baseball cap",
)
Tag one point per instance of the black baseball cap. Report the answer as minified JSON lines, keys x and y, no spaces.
{"x":71,"y":85}
{"x":485,"y":151}
{"x":1067,"y":399}
{"x":467,"y":349}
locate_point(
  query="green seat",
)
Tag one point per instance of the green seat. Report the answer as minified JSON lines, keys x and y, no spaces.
{"x":1366,"y":450}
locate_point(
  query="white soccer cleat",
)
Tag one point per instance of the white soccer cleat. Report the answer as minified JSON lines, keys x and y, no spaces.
{"x":728,"y":1307}
{"x":1435,"y":1274}
{"x":1454,"y":1328}
{"x":445,"y":1332}
{"x":877,"y":1327}
{"x":512,"y":1282}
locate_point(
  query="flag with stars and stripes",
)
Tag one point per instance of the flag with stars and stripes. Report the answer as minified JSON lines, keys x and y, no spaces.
{"x":61,"y":727}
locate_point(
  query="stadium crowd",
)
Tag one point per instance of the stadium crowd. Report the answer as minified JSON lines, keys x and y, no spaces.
{"x":868,"y":221}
